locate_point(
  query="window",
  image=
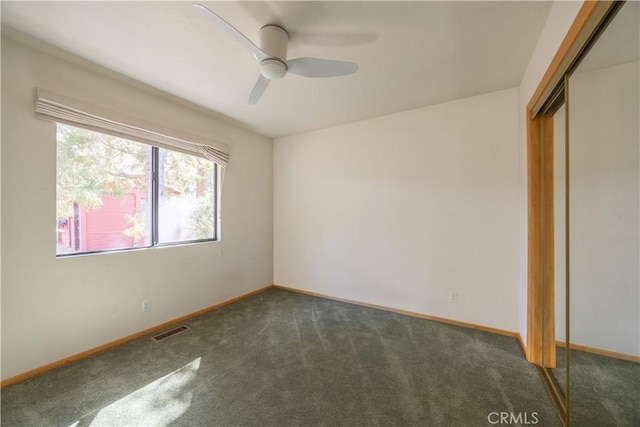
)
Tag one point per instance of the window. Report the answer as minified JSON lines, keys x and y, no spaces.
{"x":114,"y":194}
{"x":125,"y":182}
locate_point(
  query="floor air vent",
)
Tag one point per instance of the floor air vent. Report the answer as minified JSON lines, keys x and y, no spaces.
{"x":170,"y":332}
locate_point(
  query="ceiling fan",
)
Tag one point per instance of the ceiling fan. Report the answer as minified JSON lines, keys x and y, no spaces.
{"x":272,"y":56}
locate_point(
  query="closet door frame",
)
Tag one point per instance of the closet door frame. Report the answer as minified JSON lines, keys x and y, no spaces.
{"x":540,"y":347}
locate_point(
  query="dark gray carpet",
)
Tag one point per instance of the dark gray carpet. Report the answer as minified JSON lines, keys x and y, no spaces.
{"x":604,"y":391}
{"x":285,"y":359}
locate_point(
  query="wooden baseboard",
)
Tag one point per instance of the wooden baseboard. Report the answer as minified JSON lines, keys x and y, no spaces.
{"x":42,"y":369}
{"x":600,"y":351}
{"x":37,"y":371}
{"x":409,"y":313}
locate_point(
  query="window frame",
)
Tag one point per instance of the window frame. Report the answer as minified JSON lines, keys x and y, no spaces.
{"x":154,"y":195}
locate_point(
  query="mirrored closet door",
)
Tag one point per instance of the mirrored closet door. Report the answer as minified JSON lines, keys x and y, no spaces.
{"x":594,"y":199}
{"x":603,"y":217}
{"x":559,"y":373}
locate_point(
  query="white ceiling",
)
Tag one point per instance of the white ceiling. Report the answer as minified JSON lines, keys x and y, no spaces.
{"x":410,"y":54}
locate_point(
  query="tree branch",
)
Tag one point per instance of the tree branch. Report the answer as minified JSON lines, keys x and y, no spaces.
{"x":126,"y":175}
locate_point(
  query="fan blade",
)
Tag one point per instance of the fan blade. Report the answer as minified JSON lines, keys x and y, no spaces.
{"x":232,"y":31}
{"x":316,"y":67}
{"x":258,"y":89}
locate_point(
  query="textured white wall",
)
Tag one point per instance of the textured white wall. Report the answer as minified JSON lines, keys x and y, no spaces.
{"x":604,"y":183}
{"x":558,"y":23}
{"x":403,"y":209}
{"x":53,"y":308}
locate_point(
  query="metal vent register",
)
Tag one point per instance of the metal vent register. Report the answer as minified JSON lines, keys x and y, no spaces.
{"x":170,"y":332}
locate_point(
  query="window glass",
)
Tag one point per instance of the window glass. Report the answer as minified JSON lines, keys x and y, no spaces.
{"x":186,"y":197}
{"x":105,"y":191}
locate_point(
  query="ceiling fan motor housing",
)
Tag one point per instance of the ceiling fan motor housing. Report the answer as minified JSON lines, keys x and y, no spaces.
{"x":273,"y":41}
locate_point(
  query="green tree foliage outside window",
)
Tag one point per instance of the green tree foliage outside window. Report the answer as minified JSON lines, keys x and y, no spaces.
{"x":90,"y":165}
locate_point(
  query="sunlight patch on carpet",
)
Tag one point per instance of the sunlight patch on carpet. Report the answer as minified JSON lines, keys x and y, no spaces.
{"x":158,"y":403}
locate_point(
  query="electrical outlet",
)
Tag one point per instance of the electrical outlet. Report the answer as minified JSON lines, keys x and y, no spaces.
{"x":146,"y":305}
{"x":453,"y":297}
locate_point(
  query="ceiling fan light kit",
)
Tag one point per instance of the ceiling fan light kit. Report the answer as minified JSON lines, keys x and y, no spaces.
{"x":272,"y":55}
{"x":273,"y":69}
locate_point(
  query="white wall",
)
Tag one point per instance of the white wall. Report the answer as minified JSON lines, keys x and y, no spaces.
{"x":604,"y":182}
{"x":400,"y":210}
{"x":558,"y":23}
{"x":53,"y":308}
